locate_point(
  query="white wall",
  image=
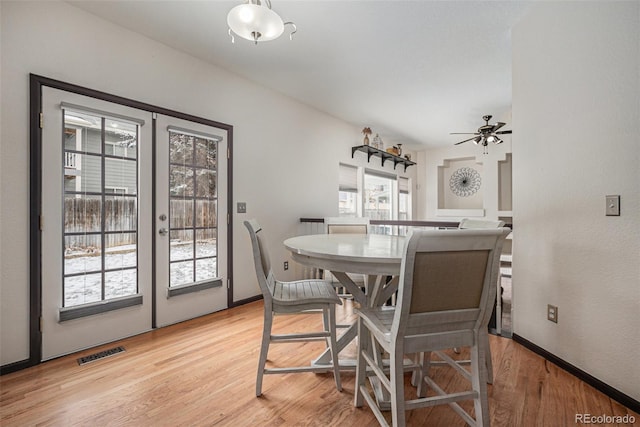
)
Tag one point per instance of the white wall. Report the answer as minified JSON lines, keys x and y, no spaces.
{"x":576,"y":121}
{"x":487,"y":166}
{"x":286,"y":154}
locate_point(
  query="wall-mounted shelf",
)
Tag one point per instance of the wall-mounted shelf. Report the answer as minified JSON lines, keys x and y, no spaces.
{"x":384,"y":156}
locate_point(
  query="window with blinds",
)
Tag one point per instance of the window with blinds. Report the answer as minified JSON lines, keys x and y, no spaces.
{"x":373,"y":193}
{"x":347,"y":190}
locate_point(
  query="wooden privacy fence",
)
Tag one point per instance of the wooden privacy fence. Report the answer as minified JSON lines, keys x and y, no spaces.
{"x":84,"y":215}
{"x":181,"y":213}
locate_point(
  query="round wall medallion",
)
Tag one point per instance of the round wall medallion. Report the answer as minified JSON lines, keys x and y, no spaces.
{"x":465,"y":182}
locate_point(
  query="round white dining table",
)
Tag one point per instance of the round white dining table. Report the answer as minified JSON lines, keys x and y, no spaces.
{"x":350,"y":253}
{"x":375,"y":255}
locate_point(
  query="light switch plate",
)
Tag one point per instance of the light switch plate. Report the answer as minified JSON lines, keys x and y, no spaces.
{"x":242,"y":207}
{"x":613,"y":205}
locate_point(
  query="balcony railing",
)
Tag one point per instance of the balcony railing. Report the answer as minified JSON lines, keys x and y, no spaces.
{"x":70,"y":160}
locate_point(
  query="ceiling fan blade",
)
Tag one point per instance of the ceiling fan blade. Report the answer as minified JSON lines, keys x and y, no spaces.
{"x":504,"y":132}
{"x":464,"y":133}
{"x":498,"y":126}
{"x":466,"y":140}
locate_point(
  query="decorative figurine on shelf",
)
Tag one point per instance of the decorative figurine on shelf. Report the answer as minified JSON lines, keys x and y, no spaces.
{"x":366,"y":132}
{"x":377,"y":142}
{"x":399,"y":153}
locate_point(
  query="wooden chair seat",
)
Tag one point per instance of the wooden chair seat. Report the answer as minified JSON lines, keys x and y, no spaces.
{"x":311,"y":291}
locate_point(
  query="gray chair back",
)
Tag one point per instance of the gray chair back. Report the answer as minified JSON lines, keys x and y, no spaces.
{"x":447,"y":283}
{"x":261,"y":260}
{"x":347,"y":225}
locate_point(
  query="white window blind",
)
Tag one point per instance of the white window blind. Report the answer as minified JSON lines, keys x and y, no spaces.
{"x":403,"y":185}
{"x":348,"y":178}
{"x":380,"y":174}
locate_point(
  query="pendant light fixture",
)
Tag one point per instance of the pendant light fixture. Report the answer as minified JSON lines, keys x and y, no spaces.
{"x":254,"y":20}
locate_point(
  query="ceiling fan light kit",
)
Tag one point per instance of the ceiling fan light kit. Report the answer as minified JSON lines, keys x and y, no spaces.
{"x":254,"y":20}
{"x":486,"y":133}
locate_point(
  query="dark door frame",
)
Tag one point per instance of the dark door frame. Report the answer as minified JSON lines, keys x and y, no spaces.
{"x":36,"y":83}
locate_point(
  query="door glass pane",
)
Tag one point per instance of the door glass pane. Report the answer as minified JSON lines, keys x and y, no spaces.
{"x":403,"y":206}
{"x":120,"y":176}
{"x":377,"y":197}
{"x":82,"y":289}
{"x":206,"y":213}
{"x":82,"y":172}
{"x":121,"y":250}
{"x":193,"y":208}
{"x":180,"y":213}
{"x":378,"y":200}
{"x":181,"y":181}
{"x":82,"y":213}
{"x":180,"y":148}
{"x":206,"y":242}
{"x":205,"y":183}
{"x":206,"y":153}
{"x":205,"y":269}
{"x":121,"y":213}
{"x":181,"y":245}
{"x":181,"y":273}
{"x":100,"y":208}
{"x":82,"y":132}
{"x":120,"y":283}
{"x":121,"y":139}
{"x":82,"y":253}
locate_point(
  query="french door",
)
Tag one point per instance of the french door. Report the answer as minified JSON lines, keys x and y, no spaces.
{"x":191,"y":172}
{"x":101,"y":233}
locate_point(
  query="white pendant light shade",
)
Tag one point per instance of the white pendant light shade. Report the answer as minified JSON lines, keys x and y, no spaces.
{"x":255,"y":22}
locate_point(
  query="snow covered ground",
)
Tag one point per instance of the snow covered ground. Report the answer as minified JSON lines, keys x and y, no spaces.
{"x":86,"y":288}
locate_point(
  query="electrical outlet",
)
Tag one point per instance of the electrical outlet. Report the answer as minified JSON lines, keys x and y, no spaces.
{"x":286,"y":265}
{"x":552,"y":313}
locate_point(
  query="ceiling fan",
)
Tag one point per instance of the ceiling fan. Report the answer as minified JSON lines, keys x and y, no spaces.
{"x":485,"y":134}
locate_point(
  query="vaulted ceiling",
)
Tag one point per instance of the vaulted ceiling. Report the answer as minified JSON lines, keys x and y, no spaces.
{"x":413,"y":71}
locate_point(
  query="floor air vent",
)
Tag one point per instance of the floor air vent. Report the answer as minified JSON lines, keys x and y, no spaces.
{"x":100,"y":355}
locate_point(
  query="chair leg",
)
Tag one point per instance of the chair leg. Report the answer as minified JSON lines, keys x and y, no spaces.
{"x":487,"y":357}
{"x":361,"y":364}
{"x":333,"y":345}
{"x":397,"y":388}
{"x":377,"y":354}
{"x":416,"y":373}
{"x":264,"y":349}
{"x":424,"y":363}
{"x":479,"y":384}
{"x":326,"y":325}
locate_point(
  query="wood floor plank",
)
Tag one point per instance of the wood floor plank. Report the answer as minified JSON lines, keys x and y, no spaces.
{"x":202,"y":373}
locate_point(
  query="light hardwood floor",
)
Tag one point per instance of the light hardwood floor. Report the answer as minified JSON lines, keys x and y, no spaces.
{"x":202,"y":373}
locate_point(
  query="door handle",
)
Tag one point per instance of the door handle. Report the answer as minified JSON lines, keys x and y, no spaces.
{"x":163,"y":231}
